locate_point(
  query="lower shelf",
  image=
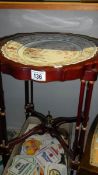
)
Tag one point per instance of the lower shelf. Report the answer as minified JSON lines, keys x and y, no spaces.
{"x":17,"y":149}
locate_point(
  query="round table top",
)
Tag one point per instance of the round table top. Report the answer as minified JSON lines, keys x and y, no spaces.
{"x":48,"y":56}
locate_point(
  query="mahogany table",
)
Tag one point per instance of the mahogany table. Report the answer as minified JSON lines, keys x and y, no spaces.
{"x":47,"y":57}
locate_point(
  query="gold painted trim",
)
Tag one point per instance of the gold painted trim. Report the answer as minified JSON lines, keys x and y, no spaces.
{"x":2,"y":113}
{"x":84,"y":128}
{"x":77,"y":127}
{"x":91,"y":82}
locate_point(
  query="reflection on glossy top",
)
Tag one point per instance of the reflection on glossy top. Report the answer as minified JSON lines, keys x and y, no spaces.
{"x":49,"y":49}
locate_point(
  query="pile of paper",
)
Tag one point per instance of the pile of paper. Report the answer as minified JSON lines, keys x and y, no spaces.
{"x":40,"y":155}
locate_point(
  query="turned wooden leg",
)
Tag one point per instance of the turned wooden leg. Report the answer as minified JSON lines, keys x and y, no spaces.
{"x":26,"y":98}
{"x":85,"y":115}
{"x":78,"y":121}
{"x":3,"y":129}
{"x":89,"y":78}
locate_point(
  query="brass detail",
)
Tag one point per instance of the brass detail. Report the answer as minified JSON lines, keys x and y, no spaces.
{"x":2,"y":113}
{"x":3,"y":145}
{"x":75,"y":161}
{"x":83,"y":81}
{"x":91,"y":82}
{"x":77,"y":127}
{"x":84,"y":128}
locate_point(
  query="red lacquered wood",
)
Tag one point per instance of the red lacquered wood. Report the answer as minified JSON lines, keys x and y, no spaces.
{"x":70,"y":72}
{"x":78,"y":121}
{"x":82,"y":90}
{"x":36,"y":130}
{"x":85,"y":167}
{"x":90,"y":76}
{"x":87,"y":103}
{"x":85,"y":116}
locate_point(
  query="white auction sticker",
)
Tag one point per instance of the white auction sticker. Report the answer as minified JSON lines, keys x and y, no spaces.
{"x":38,"y":75}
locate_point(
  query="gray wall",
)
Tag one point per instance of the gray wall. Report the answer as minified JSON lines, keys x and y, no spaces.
{"x":60,"y":98}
